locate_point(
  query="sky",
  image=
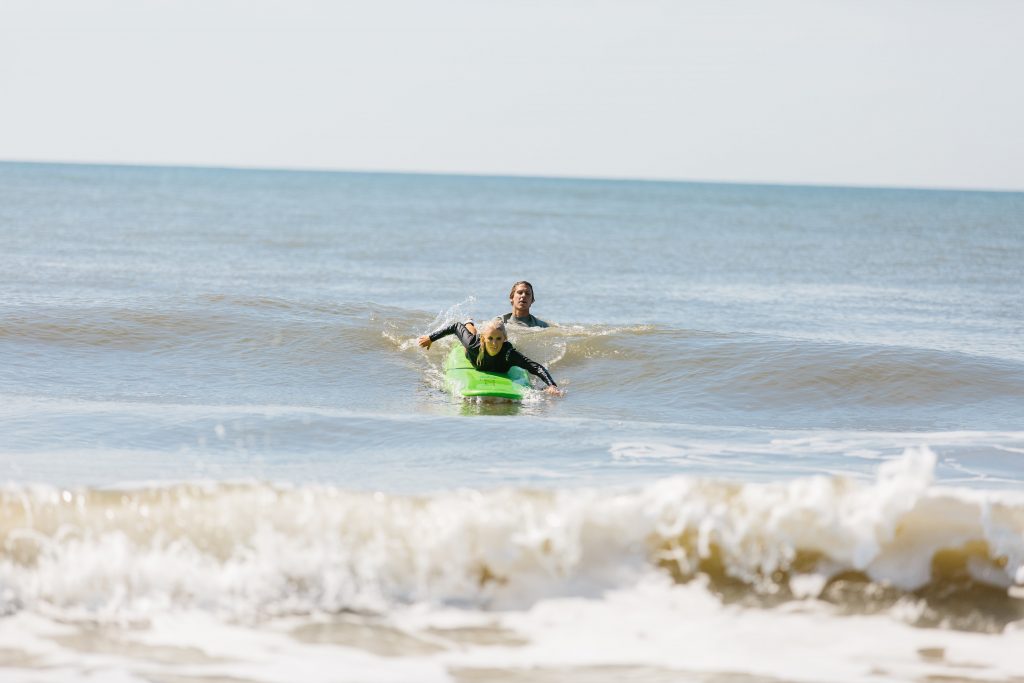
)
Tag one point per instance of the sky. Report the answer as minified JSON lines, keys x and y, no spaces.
{"x":879,"y":93}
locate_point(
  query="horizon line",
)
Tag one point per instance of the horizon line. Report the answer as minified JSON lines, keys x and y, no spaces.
{"x":509,"y":176}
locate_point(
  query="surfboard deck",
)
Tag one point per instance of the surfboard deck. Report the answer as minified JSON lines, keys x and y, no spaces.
{"x":462,"y":379}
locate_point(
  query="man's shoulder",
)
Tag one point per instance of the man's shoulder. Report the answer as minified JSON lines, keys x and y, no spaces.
{"x":531,"y":321}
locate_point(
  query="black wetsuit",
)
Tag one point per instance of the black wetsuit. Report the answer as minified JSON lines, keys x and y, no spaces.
{"x":506,"y":358}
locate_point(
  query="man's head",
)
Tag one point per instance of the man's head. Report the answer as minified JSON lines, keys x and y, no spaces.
{"x":521,"y":298}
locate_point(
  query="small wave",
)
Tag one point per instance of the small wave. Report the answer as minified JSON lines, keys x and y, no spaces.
{"x":779,"y":364}
{"x":751,"y":379}
{"x":262,"y":331}
{"x":723,"y":372}
{"x":254,"y":549}
{"x":775,"y":365}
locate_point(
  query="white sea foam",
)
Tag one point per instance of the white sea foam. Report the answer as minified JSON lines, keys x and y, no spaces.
{"x":257,"y":549}
{"x":653,"y":630}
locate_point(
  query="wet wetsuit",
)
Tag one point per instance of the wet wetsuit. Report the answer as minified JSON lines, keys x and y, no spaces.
{"x":529,"y":321}
{"x":507,"y":357}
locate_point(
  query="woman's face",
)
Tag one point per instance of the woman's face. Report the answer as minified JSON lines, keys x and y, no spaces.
{"x":493,"y":341}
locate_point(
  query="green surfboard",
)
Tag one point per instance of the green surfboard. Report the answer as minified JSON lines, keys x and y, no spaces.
{"x":462,"y":379}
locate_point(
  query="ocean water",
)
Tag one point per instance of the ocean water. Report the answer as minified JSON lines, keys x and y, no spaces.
{"x":791,"y":446}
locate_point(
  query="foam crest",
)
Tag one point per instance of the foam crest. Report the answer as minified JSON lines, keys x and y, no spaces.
{"x":257,"y":549}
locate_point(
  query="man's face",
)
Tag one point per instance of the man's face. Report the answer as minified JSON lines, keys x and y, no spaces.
{"x":522,"y":297}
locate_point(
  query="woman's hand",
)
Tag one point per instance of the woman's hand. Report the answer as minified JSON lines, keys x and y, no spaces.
{"x":424,"y":341}
{"x":554,"y":391}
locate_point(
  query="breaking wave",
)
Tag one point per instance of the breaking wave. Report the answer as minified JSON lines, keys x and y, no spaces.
{"x":938,"y":556}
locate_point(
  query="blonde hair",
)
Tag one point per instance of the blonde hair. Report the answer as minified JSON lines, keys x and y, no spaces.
{"x":492,"y":324}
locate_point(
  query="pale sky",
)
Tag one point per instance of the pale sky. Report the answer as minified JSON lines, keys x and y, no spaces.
{"x":925,"y":93}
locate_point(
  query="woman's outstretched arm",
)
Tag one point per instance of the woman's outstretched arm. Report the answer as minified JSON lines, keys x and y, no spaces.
{"x":466,"y":337}
{"x":535,"y":368}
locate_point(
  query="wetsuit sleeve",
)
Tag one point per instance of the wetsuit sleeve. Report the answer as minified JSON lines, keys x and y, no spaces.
{"x":443,"y":332}
{"x":459,"y":330}
{"x":533,"y":367}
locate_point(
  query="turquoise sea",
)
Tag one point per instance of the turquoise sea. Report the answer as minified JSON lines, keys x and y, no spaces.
{"x":791,"y":446}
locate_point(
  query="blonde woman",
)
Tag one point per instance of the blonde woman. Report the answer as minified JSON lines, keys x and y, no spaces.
{"x":490,"y":351}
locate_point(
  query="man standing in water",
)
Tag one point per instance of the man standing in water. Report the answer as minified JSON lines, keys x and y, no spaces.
{"x":521,"y":298}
